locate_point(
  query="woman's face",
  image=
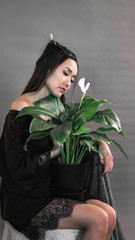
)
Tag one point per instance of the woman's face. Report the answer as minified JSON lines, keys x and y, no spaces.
{"x":62,"y":78}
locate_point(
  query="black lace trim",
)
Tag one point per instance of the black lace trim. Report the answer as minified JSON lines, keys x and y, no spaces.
{"x":48,"y":218}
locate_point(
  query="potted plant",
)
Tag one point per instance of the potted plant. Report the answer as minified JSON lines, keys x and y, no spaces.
{"x":67,"y":128}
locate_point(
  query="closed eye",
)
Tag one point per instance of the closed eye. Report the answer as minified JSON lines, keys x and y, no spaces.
{"x":66,"y":74}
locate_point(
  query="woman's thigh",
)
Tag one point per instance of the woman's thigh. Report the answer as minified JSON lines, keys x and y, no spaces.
{"x":66,"y":213}
{"x":50,"y":215}
{"x":84,"y":215}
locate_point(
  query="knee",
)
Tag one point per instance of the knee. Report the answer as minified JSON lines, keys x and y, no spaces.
{"x":112,"y":217}
{"x":100,"y":222}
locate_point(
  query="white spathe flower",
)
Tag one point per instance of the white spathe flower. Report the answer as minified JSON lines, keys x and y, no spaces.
{"x":81,"y":84}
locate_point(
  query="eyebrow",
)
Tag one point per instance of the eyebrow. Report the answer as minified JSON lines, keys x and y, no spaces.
{"x":70,"y":71}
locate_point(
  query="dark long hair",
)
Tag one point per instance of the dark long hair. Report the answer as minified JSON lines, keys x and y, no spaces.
{"x":53,"y":55}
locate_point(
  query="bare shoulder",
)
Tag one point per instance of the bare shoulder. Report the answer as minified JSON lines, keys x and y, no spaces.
{"x":19,"y":103}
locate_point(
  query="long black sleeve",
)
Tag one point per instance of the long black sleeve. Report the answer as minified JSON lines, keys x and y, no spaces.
{"x":25,"y":187}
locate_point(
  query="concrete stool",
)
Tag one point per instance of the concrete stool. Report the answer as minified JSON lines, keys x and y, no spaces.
{"x":10,"y":233}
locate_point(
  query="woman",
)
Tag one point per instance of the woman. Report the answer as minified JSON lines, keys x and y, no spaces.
{"x":25,"y":197}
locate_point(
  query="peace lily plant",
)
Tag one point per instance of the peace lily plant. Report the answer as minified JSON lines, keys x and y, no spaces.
{"x":67,"y":125}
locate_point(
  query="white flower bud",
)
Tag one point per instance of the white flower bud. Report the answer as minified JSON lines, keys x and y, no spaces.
{"x":81,"y":84}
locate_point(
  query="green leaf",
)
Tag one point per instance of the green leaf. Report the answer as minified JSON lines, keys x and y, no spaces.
{"x":81,"y":130}
{"x":67,"y":115}
{"x":37,"y":135}
{"x":122,"y":134}
{"x":52,"y":104}
{"x":94,"y":148}
{"x":89,"y":143}
{"x":107,"y":117}
{"x":102,"y":129}
{"x":89,"y":111}
{"x":61,"y":132}
{"x":33,"y":110}
{"x":90,"y":99}
{"x":38,"y":124}
{"x":85,"y":113}
{"x":71,"y":106}
{"x":120,"y":148}
{"x":100,"y":136}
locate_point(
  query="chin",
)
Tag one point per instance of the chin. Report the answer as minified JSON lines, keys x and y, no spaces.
{"x":58,"y":95}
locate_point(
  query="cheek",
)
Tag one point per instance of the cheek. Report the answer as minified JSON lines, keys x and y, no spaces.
{"x":55,"y":80}
{"x":50,"y":82}
{"x":58,"y":77}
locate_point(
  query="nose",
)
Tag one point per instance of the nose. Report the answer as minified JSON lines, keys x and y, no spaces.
{"x":68,"y":82}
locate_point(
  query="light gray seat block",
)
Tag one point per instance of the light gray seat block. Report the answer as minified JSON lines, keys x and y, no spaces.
{"x":10,"y":233}
{"x":63,"y":234}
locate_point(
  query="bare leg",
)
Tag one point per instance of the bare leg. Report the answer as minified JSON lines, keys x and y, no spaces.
{"x":96,"y":218}
{"x":111,"y":215}
{"x":90,"y":217}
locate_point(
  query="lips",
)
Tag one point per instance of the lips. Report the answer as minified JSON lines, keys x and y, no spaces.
{"x":62,"y":89}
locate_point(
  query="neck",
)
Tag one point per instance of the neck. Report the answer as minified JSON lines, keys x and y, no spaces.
{"x":37,"y":95}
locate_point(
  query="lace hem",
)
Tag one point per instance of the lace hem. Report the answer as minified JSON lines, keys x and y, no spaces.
{"x":48,"y":218}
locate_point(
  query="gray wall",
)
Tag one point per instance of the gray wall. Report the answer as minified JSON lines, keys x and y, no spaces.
{"x":102,"y":34}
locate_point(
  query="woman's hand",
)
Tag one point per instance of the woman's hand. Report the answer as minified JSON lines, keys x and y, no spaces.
{"x":46,"y":118}
{"x":56,"y":151}
{"x":106,"y":159}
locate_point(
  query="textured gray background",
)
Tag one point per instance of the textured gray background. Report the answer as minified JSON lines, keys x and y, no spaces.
{"x":102,"y":34}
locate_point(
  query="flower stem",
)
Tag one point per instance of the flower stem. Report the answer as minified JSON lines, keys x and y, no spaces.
{"x":84,"y":149}
{"x":73,"y":149}
{"x":67,"y":150}
{"x":63,"y":157}
{"x":81,"y":100}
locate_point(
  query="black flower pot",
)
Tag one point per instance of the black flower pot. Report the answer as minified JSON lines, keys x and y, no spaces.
{"x":70,"y":181}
